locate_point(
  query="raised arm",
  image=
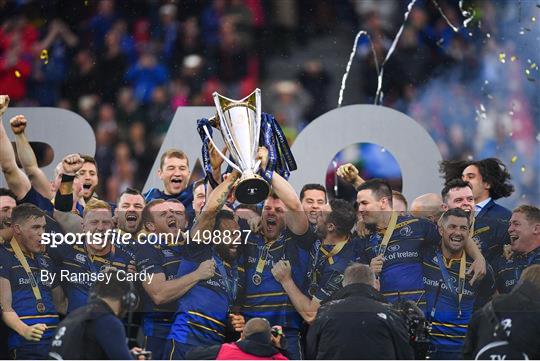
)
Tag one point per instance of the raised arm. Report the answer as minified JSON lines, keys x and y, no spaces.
{"x":214,"y":203}
{"x":28,"y":160}
{"x":17,"y":181}
{"x":349,"y":173}
{"x":297,"y":220}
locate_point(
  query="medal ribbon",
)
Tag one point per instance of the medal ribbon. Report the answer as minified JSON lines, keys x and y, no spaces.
{"x":335,"y":250}
{"x":388,"y":234}
{"x":231,"y":283}
{"x":261,"y":263}
{"x":24,"y":263}
{"x":461,"y":283}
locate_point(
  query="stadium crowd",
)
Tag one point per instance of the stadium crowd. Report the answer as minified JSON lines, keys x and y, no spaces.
{"x":126,"y":67}
{"x":299,"y":276}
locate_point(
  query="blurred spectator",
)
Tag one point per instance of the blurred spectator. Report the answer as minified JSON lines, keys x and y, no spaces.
{"x":101,"y":23}
{"x":315,"y":80}
{"x":145,"y":76}
{"x":83,"y":79}
{"x":112,"y":66}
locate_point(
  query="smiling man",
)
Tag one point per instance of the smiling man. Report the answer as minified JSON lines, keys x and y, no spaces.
{"x":524,"y":231}
{"x":489,"y":234}
{"x":450,"y":296}
{"x":174,"y":173}
{"x":313,"y":198}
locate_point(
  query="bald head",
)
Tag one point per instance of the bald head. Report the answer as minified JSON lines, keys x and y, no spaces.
{"x":256,"y":325}
{"x":428,"y":205}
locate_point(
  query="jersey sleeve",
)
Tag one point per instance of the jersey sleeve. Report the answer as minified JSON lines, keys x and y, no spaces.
{"x":432,"y":237}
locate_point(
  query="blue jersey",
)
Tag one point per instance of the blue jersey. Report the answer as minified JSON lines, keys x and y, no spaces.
{"x":491,"y":235}
{"x":327,"y":269}
{"x":402,"y":271}
{"x":265,"y":297}
{"x":153,"y":259}
{"x":72,"y":261}
{"x":23,"y":300}
{"x":449,"y":327}
{"x":507,"y":272}
{"x":186,"y":197}
{"x":202,"y":314}
{"x":35,"y":198}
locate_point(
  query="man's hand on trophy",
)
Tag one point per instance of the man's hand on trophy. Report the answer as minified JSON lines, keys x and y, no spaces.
{"x":262,"y":155}
{"x":215,"y":159}
{"x":18,"y":124}
{"x":4,"y":103}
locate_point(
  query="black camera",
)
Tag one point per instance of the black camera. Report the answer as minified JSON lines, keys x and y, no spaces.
{"x":417,"y":325}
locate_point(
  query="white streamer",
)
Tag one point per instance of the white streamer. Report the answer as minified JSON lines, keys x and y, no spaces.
{"x":379,"y":94}
{"x":351,"y":57}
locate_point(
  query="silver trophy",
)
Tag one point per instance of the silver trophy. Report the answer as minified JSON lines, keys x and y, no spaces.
{"x":239,"y":122}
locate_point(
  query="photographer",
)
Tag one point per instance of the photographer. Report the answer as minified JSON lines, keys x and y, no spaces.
{"x":355,"y":323}
{"x":508,"y":328}
{"x":95,"y":330}
{"x":258,"y":341}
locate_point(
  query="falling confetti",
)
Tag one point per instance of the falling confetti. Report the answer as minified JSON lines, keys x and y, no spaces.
{"x":523,"y":169}
{"x":490,"y":96}
{"x":383,"y":150}
{"x":514,"y":159}
{"x":513,"y":58}
{"x":511,"y":134}
{"x":482,"y":108}
{"x":85,"y":2}
{"x":17,"y":73}
{"x":538,"y":137}
{"x":488,"y":35}
{"x":527,"y":71}
{"x":44,"y":56}
{"x":521,"y":32}
{"x":533,"y":65}
{"x":533,"y":18}
{"x":502,"y":57}
{"x":440,"y":41}
{"x":511,"y":113}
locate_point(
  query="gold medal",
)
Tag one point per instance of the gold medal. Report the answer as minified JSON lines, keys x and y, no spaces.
{"x":256,"y":279}
{"x":40,"y":307}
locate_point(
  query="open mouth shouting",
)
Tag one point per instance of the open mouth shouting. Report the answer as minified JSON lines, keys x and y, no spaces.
{"x":132,"y":218}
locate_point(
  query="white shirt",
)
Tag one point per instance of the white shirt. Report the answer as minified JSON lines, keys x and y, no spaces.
{"x":482,"y":204}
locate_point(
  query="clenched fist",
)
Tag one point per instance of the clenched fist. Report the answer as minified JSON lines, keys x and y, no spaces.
{"x":72,"y":163}
{"x":206,"y":270}
{"x":348,"y":172}
{"x":18,"y":124}
{"x":4,"y":103}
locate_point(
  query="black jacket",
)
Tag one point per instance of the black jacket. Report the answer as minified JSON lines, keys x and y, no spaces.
{"x":355,"y":323}
{"x":522,"y":307}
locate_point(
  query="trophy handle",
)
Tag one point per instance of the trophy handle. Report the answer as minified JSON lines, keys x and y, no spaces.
{"x":226,"y":159}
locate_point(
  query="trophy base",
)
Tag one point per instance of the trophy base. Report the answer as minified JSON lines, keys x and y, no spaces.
{"x":251,"y":190}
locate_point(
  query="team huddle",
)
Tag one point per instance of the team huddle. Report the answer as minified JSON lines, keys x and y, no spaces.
{"x":283,"y":260}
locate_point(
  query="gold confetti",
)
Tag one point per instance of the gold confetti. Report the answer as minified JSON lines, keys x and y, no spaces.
{"x":17,"y":73}
{"x":523,"y":169}
{"x":533,"y":18}
{"x":533,"y":65}
{"x":44,"y":56}
{"x":527,"y":71}
{"x":502,"y":57}
{"x":514,"y":159}
{"x":513,"y":58}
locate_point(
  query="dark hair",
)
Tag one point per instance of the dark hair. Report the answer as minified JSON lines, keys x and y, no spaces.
{"x":401,"y":197}
{"x":221,"y":216}
{"x":342,"y":216}
{"x":454,"y":183}
{"x":115,"y":289}
{"x":4,"y":192}
{"x":492,"y":170}
{"x":456,"y":212}
{"x":132,"y":191}
{"x":532,"y":213}
{"x":25,"y":211}
{"x":379,"y":187}
{"x":89,"y":159}
{"x":197,"y":183}
{"x":312,"y":186}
